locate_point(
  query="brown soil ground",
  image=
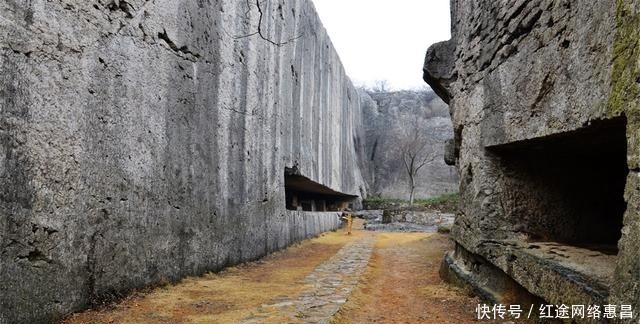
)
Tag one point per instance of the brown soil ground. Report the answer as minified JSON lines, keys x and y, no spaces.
{"x":401,"y":285}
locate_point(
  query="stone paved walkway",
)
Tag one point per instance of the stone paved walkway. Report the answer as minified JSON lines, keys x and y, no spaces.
{"x":331,"y":282}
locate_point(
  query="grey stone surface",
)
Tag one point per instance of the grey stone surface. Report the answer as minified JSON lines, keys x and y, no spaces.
{"x":411,"y":221}
{"x":450,"y":152}
{"x":143,"y":141}
{"x":330,"y":284}
{"x":439,"y":72}
{"x":544,"y":102}
{"x":423,"y":217}
{"x":386,"y":115}
{"x":400,"y":227}
{"x":369,"y":214}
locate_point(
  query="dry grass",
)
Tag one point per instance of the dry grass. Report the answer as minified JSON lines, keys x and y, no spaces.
{"x":402,"y":285}
{"x":228,"y":296}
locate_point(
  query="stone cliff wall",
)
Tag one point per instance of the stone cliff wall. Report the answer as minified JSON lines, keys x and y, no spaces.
{"x":144,"y":141}
{"x":544,"y":100}
{"x":385,"y":116}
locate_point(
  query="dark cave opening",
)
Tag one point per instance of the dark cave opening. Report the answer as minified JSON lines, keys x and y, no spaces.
{"x":303,"y":194}
{"x":569,"y":187}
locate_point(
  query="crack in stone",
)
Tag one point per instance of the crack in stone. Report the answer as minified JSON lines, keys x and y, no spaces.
{"x":184,"y":49}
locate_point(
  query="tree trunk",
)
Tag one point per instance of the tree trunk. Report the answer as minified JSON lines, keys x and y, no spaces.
{"x":412,"y":190}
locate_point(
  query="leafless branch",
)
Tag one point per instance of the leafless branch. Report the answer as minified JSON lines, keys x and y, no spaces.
{"x":426,"y":161}
{"x":416,"y":151}
{"x":406,"y":163}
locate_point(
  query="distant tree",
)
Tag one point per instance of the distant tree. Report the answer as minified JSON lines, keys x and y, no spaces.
{"x":415,"y":151}
{"x":380,"y":86}
{"x":422,"y":88}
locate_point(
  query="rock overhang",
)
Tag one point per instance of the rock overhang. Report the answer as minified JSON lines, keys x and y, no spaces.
{"x":534,"y":83}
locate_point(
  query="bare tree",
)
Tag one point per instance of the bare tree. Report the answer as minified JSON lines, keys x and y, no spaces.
{"x":416,"y":151}
{"x":380,"y":86}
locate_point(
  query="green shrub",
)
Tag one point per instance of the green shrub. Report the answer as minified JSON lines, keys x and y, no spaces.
{"x":446,"y":202}
{"x":444,"y":229}
{"x":451,"y":198}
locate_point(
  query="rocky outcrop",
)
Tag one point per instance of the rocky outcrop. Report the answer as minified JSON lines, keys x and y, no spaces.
{"x":544,"y":103}
{"x":439,"y":72}
{"x":144,"y":141}
{"x":385,"y":116}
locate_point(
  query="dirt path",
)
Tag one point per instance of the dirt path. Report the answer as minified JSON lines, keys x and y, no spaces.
{"x":310,"y":282}
{"x":402,"y":285}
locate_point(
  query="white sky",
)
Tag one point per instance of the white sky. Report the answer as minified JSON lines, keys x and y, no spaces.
{"x":385,"y":39}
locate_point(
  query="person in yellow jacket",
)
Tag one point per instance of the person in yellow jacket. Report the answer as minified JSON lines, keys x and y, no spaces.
{"x":346,"y":215}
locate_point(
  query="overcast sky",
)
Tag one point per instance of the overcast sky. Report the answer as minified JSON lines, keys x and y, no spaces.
{"x":385,"y":39}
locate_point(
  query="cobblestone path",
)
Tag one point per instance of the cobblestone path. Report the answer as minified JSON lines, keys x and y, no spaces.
{"x":331,"y":282}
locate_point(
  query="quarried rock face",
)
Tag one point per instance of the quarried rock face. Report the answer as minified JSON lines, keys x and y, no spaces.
{"x":144,"y":141}
{"x":544,"y":99}
{"x":386,"y":117}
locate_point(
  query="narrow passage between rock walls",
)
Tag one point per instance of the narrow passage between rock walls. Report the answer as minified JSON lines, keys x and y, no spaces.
{"x":366,"y":277}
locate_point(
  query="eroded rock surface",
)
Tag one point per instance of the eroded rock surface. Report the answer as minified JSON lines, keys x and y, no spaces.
{"x":144,"y":141}
{"x":386,"y":115}
{"x":544,"y":101}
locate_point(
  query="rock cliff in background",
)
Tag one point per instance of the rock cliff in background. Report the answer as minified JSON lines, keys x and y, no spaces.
{"x":544,"y":98}
{"x":142,"y":141}
{"x":386,"y":115}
